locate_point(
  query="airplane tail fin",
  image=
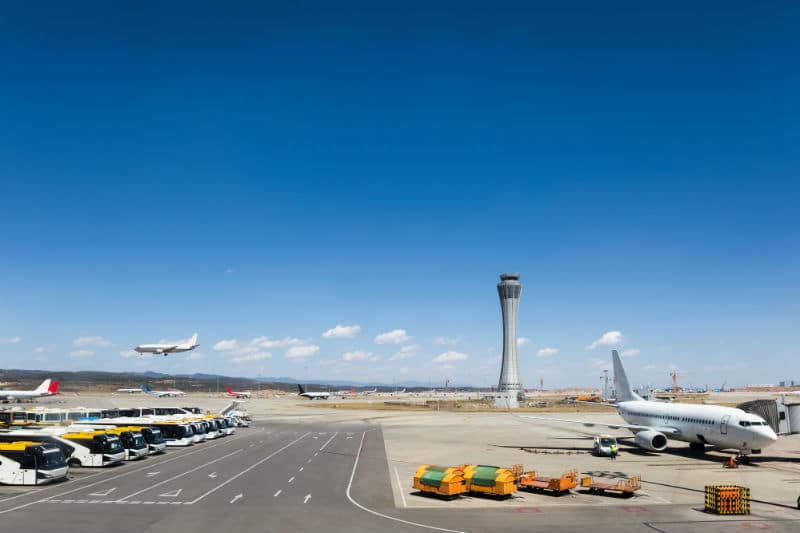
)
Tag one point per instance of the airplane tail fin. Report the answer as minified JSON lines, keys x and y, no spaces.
{"x":193,"y":340}
{"x":621,"y":384}
{"x":44,"y":387}
{"x":147,"y":388}
{"x":53,"y":388}
{"x":300,"y":387}
{"x":228,"y":389}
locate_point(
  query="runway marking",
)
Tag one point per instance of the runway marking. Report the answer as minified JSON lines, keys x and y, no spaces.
{"x":246,"y":470}
{"x":234,"y":452}
{"x":301,"y":469}
{"x":291,"y":479}
{"x":316,"y":454}
{"x":328,"y":442}
{"x":104,"y":493}
{"x":173,"y":494}
{"x":308,"y":497}
{"x":277,"y":493}
{"x":376,"y":513}
{"x":151,"y":474}
{"x":22,"y":494}
{"x":212,"y":475}
{"x":238,"y":496}
{"x":400,"y":486}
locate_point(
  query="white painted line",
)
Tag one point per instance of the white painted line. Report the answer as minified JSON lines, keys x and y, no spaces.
{"x":301,"y":469}
{"x":234,"y":452}
{"x":67,"y":501}
{"x":400,"y":486}
{"x":145,"y":503}
{"x":151,"y":474}
{"x":308,"y":497}
{"x":291,"y":479}
{"x":277,"y":493}
{"x":173,"y":494}
{"x":134,"y":503}
{"x":212,"y":475}
{"x":24,"y":494}
{"x":176,"y":503}
{"x":112,"y":478}
{"x":316,"y":454}
{"x":162,"y":503}
{"x":249,"y":468}
{"x":376,"y":513}
{"x":104,"y":493}
{"x":306,"y":463}
{"x":328,"y":441}
{"x":80,"y":501}
{"x":94,"y":501}
{"x":236,"y":498}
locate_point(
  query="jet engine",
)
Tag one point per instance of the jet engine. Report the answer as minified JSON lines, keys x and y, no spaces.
{"x":651,"y":440}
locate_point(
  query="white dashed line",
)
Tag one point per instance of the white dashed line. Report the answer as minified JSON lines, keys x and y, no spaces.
{"x":277,"y":493}
{"x":291,"y":479}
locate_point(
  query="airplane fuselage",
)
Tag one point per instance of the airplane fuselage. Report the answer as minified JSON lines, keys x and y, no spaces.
{"x":723,"y":427}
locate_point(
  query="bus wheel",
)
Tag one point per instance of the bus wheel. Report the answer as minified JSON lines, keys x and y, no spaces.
{"x":73,"y":462}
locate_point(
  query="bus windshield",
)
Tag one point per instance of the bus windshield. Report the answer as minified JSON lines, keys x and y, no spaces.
{"x":50,"y":458}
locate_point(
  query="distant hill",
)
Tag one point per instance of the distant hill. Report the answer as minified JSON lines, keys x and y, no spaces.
{"x":109,"y":381}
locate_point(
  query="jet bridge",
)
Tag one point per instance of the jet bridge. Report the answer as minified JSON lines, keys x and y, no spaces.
{"x":782,"y":417}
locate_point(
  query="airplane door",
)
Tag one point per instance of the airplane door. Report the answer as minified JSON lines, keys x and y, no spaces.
{"x":723,"y":425}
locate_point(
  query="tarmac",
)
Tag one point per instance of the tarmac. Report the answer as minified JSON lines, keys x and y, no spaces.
{"x":327,"y":469}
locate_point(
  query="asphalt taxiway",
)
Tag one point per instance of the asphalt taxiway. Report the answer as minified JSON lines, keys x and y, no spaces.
{"x":308,"y":476}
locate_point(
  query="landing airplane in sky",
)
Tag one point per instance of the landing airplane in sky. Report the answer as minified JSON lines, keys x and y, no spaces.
{"x":47,"y":388}
{"x":653,"y":423}
{"x":166,"y":349}
{"x":239,"y":394}
{"x":169,"y":393}
{"x":312,"y":395}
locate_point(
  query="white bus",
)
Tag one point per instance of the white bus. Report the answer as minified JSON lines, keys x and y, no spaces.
{"x":175,"y":433}
{"x":31,"y":463}
{"x":82,"y":448}
{"x":130,"y":436}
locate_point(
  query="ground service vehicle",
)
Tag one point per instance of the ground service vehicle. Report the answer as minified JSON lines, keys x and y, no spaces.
{"x":602,"y":445}
{"x":31,"y":463}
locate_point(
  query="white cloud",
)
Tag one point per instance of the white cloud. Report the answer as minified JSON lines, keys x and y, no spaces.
{"x":547,"y":352}
{"x":10,"y":340}
{"x":342,"y":332}
{"x":266,"y":342}
{"x":405,"y":352}
{"x":446,"y":341}
{"x":396,"y":336}
{"x":358,"y":355}
{"x":450,"y":356}
{"x":301,"y":352}
{"x":226,"y":345}
{"x":41,"y":349}
{"x":523,"y":341}
{"x":251,"y":357}
{"x":630,"y":352}
{"x":81,"y":353}
{"x":128,"y":354}
{"x":91,"y":341}
{"x":609,"y":338}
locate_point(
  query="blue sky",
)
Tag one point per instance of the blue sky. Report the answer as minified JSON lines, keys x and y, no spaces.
{"x":263,"y":173}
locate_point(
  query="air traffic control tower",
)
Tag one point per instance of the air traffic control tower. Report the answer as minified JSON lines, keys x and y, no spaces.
{"x":509,"y":388}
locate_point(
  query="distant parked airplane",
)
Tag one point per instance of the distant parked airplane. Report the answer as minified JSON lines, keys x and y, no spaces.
{"x":239,"y":394}
{"x":312,"y":395}
{"x":168,"y":348}
{"x":47,"y":388}
{"x":345,"y":392}
{"x":132,"y":391}
{"x":169,"y":393}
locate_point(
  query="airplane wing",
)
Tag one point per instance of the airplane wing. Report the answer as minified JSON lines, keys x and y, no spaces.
{"x":633,"y":427}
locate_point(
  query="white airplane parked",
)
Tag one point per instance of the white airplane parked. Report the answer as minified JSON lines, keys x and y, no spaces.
{"x":653,"y":423}
{"x":169,"y":393}
{"x":312,"y":395}
{"x":131,"y":391}
{"x":237,"y":394}
{"x":165,"y":349}
{"x":47,"y":388}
